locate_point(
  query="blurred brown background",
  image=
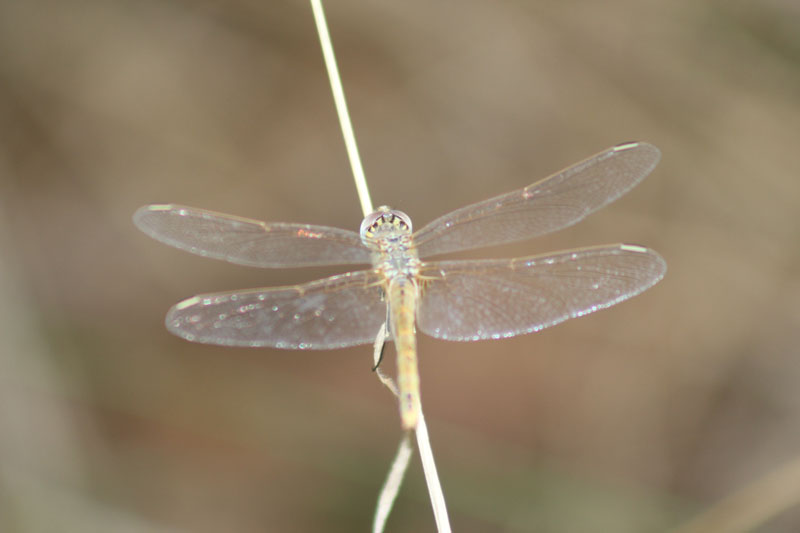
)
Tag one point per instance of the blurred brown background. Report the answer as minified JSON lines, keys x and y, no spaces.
{"x":634,"y":419}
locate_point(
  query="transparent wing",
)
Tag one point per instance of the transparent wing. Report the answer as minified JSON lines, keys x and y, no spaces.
{"x":249,"y":242}
{"x":336,"y":312}
{"x":491,"y":299}
{"x":550,"y":204}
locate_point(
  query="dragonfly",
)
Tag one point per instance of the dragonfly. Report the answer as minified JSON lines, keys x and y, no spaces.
{"x":403,"y":291}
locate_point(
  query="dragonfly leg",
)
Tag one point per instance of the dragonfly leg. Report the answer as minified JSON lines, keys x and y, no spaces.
{"x":380,"y":357}
{"x":385,"y":337}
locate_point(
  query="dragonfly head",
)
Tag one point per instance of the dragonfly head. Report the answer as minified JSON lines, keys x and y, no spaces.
{"x":385,"y":222}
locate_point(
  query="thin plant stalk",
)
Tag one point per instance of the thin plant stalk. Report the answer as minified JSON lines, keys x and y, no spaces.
{"x":391,"y":486}
{"x":401,"y":461}
{"x":431,"y":476}
{"x":341,"y":107}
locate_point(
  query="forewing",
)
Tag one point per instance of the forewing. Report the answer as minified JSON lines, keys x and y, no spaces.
{"x":249,"y":242}
{"x":491,"y":299}
{"x":548,"y":205}
{"x":336,"y":312}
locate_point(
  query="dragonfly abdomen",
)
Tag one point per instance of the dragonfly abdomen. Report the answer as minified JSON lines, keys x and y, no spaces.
{"x":402,"y":310}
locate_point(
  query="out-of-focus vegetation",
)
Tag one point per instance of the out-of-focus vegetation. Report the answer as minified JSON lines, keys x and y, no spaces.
{"x":635,"y":419}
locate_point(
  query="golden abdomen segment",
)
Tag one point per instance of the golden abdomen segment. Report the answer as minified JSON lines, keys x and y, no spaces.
{"x":402,"y":310}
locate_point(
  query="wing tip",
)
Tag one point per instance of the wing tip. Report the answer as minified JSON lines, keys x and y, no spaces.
{"x":176,"y":321}
{"x":658,"y":261}
{"x":642,"y":146}
{"x":153,"y":208}
{"x":160,"y":207}
{"x":628,"y":145}
{"x":141,"y":214}
{"x":633,"y":248}
{"x":180,"y":306}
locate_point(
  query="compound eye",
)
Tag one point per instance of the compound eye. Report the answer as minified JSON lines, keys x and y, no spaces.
{"x":404,"y":219}
{"x":384,"y":216}
{"x":370,"y":221}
